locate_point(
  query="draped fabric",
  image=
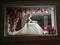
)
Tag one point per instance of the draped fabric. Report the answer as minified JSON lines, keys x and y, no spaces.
{"x":29,"y":28}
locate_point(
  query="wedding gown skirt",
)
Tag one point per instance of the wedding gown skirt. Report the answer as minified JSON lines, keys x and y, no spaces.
{"x":29,"y":28}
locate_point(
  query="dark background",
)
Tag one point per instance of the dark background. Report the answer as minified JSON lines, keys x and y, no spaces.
{"x":30,"y":40}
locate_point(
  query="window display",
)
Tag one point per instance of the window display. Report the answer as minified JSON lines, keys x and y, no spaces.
{"x":31,"y":20}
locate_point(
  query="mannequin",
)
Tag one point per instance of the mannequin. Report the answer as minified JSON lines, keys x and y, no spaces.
{"x":30,"y":27}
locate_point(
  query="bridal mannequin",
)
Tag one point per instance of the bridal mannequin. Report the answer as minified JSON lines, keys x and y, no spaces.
{"x":31,"y":27}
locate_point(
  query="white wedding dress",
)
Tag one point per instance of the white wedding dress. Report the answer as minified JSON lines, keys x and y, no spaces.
{"x":29,"y":28}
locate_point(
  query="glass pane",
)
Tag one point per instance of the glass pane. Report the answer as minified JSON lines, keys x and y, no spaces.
{"x":32,"y":20}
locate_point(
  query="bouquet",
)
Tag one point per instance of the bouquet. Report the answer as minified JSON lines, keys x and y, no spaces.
{"x":49,"y":28}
